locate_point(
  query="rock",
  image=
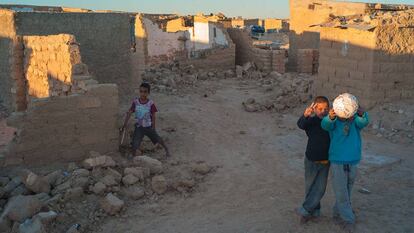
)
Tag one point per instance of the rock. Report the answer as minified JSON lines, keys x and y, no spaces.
{"x":42,"y":197}
{"x":250,"y":101}
{"x":21,"y":207}
{"x":100,"y":161}
{"x":73,"y":229}
{"x":80,"y":172}
{"x":20,"y":190}
{"x":109,"y":180}
{"x":134,"y":192}
{"x":74,"y":193}
{"x":251,"y":107}
{"x":112,"y":204}
{"x":201,"y":168}
{"x":136,"y":171}
{"x":159,"y":184}
{"x":4,"y":181}
{"x":239,"y":71}
{"x":32,"y":226}
{"x":53,"y":177}
{"x":99,"y":188}
{"x":129,"y":180}
{"x":364,"y":191}
{"x":61,"y":188}
{"x":46,"y":217}
{"x":117,"y":176}
{"x":82,"y":182}
{"x":5,"y":225}
{"x":35,"y":183}
{"x":187,"y":183}
{"x":14,"y":183}
{"x":228,"y":74}
{"x":154,"y":165}
{"x":72,"y":166}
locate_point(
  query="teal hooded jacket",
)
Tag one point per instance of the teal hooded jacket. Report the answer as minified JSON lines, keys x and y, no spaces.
{"x":346,"y":143}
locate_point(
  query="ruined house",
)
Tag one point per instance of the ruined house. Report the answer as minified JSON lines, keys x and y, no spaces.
{"x":370,"y":55}
{"x":205,"y":44}
{"x":271,"y":24}
{"x":304,"y":14}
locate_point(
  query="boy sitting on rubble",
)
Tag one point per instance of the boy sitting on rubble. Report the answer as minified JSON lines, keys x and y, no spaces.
{"x":316,"y":159}
{"x":344,"y":156}
{"x":144,"y":110}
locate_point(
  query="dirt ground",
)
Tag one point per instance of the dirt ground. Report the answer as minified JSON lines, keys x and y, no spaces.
{"x":258,"y":179}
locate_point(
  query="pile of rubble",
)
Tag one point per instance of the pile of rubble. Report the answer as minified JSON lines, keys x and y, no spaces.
{"x":170,"y":77}
{"x":393,"y":121}
{"x":85,"y":195}
{"x":402,"y":17}
{"x":284,"y":91}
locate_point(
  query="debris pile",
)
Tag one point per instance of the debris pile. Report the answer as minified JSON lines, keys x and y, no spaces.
{"x":284,"y":92}
{"x":393,"y":121}
{"x":169,"y":77}
{"x":101,"y":187}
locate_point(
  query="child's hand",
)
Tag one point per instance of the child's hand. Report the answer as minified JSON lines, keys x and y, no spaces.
{"x":360,"y":111}
{"x":332,"y":114}
{"x":309,"y":110}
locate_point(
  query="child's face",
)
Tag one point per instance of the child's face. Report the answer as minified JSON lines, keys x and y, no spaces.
{"x":143,"y":93}
{"x":321,"y":109}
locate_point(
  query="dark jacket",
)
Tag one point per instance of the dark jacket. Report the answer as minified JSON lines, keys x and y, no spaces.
{"x":317,"y":148}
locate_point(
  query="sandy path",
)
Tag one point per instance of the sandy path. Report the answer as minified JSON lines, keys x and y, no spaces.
{"x":259,"y":180}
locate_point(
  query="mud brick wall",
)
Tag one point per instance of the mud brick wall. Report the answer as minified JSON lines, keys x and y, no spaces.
{"x":345,"y":63}
{"x":49,"y":64}
{"x":308,"y":61}
{"x":105,"y":40}
{"x":65,"y":128}
{"x":393,"y":64}
{"x":266,"y":60}
{"x":377,"y":66}
{"x":158,"y":46}
{"x":215,"y":59}
{"x":305,"y":13}
{"x":11,"y":74}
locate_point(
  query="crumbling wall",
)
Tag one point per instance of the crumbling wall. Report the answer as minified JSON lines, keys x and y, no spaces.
{"x":275,"y":24}
{"x":160,"y":46}
{"x":50,"y":62}
{"x":10,"y":62}
{"x":244,"y":22}
{"x":68,"y":113}
{"x":65,"y":128}
{"x":176,"y":25}
{"x":393,"y":64}
{"x":306,"y":13}
{"x":105,"y":38}
{"x":308,"y":61}
{"x":265,"y":60}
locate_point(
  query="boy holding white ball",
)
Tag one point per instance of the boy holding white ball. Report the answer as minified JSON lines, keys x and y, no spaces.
{"x":344,"y":123}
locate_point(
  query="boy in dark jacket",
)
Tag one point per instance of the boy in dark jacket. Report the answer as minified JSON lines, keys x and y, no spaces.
{"x":316,"y":159}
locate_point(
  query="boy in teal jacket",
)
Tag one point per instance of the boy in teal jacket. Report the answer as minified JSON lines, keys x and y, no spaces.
{"x":344,"y":156}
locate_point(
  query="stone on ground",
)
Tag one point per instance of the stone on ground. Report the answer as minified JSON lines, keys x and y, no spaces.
{"x":130,"y":179}
{"x":35,"y":183}
{"x":136,"y":171}
{"x":154,"y":165}
{"x":134,"y":192}
{"x":32,"y":226}
{"x":201,"y":168}
{"x":100,"y":161}
{"x":74,"y":194}
{"x":159,"y":184}
{"x":21,"y":207}
{"x":99,"y":188}
{"x":112,"y":204}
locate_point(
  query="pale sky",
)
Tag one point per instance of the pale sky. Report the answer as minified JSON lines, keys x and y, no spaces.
{"x":245,"y":8}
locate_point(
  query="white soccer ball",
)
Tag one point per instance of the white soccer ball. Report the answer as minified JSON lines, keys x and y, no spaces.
{"x":345,"y":105}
